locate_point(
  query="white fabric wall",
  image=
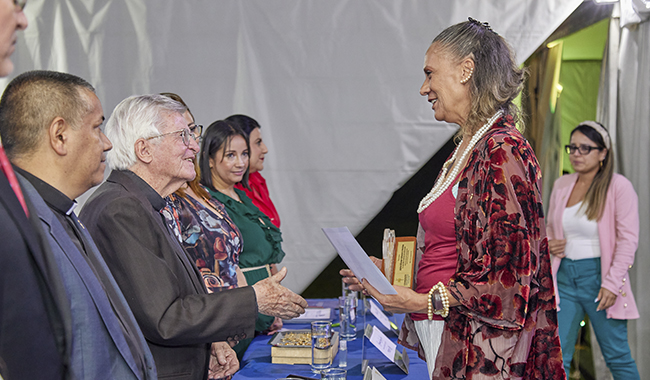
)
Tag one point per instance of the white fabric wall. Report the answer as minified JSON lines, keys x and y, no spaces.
{"x":333,"y":83}
{"x":633,"y":121}
{"x":624,"y":97}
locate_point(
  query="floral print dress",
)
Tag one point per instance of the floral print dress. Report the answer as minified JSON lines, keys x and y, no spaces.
{"x":506,"y":325}
{"x":211,"y":238}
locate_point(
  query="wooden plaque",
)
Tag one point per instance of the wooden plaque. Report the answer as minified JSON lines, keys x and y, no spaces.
{"x":404,"y":261}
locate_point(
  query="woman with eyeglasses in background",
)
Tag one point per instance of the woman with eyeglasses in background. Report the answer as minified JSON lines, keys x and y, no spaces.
{"x":593,"y":230}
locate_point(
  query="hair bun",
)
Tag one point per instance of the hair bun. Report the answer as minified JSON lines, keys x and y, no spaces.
{"x":481,"y":24}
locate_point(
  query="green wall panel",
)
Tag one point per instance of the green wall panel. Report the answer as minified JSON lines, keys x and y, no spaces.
{"x":579,"y":97}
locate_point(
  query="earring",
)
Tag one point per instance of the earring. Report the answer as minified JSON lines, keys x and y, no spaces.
{"x":601,"y":164}
{"x":466,"y":79}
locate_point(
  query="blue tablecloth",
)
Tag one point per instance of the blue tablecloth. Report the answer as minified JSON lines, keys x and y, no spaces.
{"x":256,"y":363}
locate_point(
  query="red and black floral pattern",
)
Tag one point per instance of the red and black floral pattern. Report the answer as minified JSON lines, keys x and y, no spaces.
{"x":506,"y":326}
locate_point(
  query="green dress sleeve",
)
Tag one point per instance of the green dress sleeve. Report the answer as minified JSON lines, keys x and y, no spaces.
{"x":262,"y":239}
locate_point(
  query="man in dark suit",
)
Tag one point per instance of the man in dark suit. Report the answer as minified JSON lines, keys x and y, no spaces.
{"x":34,"y":312}
{"x":51,"y":124}
{"x":153,"y":156}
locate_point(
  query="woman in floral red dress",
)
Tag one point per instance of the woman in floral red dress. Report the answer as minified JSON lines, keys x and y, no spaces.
{"x":483,"y":305}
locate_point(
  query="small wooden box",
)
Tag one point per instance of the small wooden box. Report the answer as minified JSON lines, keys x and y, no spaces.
{"x":293,"y":354}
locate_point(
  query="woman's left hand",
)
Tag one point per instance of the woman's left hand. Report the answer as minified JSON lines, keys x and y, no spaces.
{"x":606,"y":299}
{"x":405,"y":301}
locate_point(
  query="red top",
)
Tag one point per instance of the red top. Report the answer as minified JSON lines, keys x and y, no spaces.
{"x":438,"y":263}
{"x":259,"y":194}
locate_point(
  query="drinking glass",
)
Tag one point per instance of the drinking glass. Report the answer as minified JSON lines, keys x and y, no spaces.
{"x":321,"y":343}
{"x":346,"y":292}
{"x":348,"y":317}
{"x":334,"y":374}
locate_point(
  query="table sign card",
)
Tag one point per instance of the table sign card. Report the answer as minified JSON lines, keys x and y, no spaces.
{"x":357,"y":259}
{"x":372,"y":373}
{"x":381,"y":317}
{"x":387,"y":347}
{"x":312,"y":314}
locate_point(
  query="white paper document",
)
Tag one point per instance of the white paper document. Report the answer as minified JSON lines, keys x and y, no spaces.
{"x":357,"y":259}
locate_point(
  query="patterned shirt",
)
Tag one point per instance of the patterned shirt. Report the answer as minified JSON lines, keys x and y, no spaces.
{"x":211,"y":238}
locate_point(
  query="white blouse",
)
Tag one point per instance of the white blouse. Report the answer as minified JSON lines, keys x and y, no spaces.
{"x":581,"y":234}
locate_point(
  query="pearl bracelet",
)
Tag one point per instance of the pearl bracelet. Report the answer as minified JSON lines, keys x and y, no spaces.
{"x":429,"y":305}
{"x":440,"y":298}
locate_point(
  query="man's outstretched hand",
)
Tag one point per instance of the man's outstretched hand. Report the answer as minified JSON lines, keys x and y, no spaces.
{"x":275,"y":300}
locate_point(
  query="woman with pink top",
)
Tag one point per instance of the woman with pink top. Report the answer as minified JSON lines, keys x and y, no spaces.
{"x":593,"y":230}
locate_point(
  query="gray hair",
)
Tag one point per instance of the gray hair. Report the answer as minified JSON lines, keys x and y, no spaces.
{"x":136,"y":117}
{"x":497,"y":79}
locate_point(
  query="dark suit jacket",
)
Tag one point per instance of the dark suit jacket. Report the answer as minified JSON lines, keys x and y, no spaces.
{"x":161,"y":284}
{"x":33,"y":305}
{"x":99,"y":347}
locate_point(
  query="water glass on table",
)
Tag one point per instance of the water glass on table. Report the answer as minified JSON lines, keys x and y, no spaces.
{"x":346,"y":291}
{"x":348,"y":317}
{"x":334,"y":374}
{"x":321,"y":343}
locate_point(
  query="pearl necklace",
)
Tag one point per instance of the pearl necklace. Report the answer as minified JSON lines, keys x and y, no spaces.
{"x":443,"y":183}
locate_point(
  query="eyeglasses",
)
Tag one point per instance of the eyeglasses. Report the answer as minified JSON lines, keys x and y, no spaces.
{"x":583,"y":149}
{"x":197,"y":129}
{"x":20,"y":5}
{"x":194,"y":131}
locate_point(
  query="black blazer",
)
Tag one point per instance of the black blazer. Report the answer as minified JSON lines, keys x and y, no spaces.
{"x":162,"y":286}
{"x":34,"y":311}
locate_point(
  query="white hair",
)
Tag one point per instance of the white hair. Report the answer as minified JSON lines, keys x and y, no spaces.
{"x":136,"y":117}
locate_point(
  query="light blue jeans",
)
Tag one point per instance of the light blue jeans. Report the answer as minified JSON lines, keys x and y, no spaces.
{"x":578,"y":285}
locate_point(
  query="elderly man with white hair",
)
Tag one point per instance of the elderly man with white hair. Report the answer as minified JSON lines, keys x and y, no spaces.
{"x":153,"y":155}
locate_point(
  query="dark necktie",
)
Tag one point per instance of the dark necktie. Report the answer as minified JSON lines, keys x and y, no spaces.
{"x":11,"y":177}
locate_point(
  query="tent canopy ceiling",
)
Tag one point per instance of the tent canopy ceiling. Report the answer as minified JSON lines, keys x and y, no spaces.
{"x":585,"y":15}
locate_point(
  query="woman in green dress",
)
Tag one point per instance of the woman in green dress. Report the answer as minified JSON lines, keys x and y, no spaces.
{"x":225,"y":156}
